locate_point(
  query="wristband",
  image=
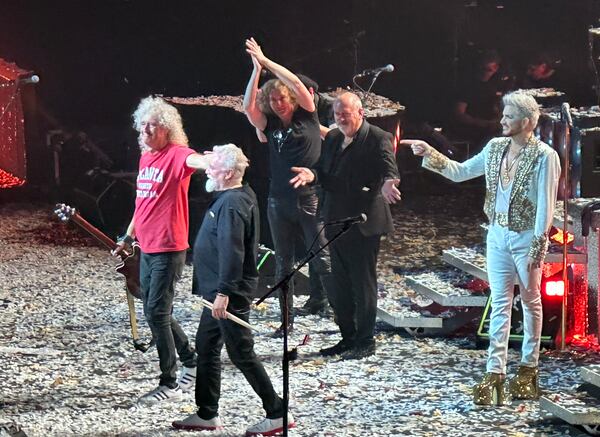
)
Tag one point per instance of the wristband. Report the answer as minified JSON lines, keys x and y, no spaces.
{"x":127,"y":239}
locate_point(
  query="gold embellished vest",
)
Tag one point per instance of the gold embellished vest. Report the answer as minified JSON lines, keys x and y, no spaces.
{"x":521,"y":211}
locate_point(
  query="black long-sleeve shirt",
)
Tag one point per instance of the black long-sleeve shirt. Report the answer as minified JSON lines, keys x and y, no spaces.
{"x":226,"y":247}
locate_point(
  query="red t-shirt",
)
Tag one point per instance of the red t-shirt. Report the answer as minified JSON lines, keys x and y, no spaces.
{"x":161,"y":204}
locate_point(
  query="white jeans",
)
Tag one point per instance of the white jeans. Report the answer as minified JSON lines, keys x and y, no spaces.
{"x":507,"y":257}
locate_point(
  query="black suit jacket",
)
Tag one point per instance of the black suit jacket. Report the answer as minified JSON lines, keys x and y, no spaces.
{"x":351,"y":179}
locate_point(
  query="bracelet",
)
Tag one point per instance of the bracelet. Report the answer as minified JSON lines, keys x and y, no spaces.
{"x":127,"y":239}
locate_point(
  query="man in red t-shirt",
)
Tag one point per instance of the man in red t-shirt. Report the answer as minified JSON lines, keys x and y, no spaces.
{"x":160,"y":224}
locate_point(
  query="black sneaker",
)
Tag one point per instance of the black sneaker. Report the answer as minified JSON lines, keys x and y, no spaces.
{"x":311,"y":308}
{"x":338,"y":348}
{"x":360,"y":351}
{"x":279,"y":331}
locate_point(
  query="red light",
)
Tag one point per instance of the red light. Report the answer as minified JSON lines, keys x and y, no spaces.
{"x":554,"y":288}
{"x":8,"y":180}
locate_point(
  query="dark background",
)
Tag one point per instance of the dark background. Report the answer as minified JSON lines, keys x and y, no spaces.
{"x":97,"y":58}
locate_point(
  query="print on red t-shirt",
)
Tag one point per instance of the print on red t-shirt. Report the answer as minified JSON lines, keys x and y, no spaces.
{"x":161,"y":205}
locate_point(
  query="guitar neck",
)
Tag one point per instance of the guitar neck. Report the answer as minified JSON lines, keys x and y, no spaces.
{"x":93,"y":231}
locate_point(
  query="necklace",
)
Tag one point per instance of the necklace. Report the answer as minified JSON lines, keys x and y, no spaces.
{"x":280,"y":138}
{"x":508,"y":167}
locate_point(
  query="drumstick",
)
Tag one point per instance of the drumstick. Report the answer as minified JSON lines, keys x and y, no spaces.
{"x":230,"y":316}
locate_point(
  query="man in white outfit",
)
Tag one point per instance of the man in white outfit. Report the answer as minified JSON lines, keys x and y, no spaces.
{"x":521,"y":175}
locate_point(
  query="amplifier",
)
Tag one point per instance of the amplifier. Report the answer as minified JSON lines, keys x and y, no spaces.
{"x":585,"y":158}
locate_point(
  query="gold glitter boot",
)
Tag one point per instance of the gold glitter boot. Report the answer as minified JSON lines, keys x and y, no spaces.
{"x":525,"y":385}
{"x":491,"y":390}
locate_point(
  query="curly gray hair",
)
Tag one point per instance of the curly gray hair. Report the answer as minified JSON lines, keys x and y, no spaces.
{"x":166,"y":115}
{"x":524,"y":103}
{"x":232,"y":158}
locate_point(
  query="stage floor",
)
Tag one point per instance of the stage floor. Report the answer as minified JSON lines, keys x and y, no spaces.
{"x":68,"y":366}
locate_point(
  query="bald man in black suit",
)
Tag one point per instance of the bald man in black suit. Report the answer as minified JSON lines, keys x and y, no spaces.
{"x":358,"y":173}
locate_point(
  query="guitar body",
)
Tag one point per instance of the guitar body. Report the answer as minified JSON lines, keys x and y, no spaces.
{"x":130,"y":268}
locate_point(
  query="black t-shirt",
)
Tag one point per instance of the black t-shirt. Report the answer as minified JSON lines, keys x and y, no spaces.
{"x":298,"y":145}
{"x":483,"y":99}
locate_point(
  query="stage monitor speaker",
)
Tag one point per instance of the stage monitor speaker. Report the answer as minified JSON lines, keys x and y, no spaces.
{"x":266,"y":272}
{"x":585,"y":157}
{"x":550,"y":327}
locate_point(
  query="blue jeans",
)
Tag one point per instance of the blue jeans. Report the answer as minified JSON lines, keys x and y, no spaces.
{"x":507,"y":257}
{"x":287,"y":218}
{"x":158,"y":274}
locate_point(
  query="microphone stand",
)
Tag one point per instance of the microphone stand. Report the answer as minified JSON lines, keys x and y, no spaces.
{"x":374,"y":77}
{"x":566,"y":193}
{"x":283,"y":285}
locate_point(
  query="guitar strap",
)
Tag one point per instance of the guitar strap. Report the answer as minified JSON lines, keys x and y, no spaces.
{"x":137,"y":343}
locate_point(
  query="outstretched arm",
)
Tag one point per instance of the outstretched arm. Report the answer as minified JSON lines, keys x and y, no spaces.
{"x":303,"y":96}
{"x":439,"y":163}
{"x":199,"y":161}
{"x":256,"y":117}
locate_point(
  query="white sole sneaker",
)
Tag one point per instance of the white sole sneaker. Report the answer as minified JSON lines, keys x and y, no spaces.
{"x":161,"y":394}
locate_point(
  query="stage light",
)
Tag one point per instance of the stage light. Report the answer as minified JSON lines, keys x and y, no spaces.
{"x":554,"y":288}
{"x":8,"y":180}
{"x":12,"y":134}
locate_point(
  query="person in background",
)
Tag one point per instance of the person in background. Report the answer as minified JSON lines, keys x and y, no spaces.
{"x":477,"y":108}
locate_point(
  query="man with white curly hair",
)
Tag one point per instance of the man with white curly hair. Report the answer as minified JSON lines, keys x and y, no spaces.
{"x":521,"y":176}
{"x":160,"y":224}
{"x":225,"y":259}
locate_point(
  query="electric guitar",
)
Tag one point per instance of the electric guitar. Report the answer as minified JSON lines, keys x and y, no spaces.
{"x":129,"y":265}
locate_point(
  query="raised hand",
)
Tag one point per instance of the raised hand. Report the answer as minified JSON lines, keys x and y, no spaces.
{"x":256,"y":64}
{"x":254,"y":50}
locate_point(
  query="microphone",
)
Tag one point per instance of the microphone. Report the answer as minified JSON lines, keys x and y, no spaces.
{"x":31,"y":79}
{"x":566,"y":112}
{"x":386,"y":69}
{"x":349,"y":220}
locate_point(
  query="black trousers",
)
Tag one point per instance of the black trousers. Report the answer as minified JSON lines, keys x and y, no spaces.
{"x":211,"y":335}
{"x":354,"y":291}
{"x":158,"y":274}
{"x":289,"y":218}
